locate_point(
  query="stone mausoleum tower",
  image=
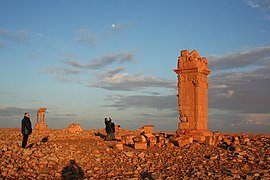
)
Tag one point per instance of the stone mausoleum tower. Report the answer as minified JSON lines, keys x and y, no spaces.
{"x":192,"y":74}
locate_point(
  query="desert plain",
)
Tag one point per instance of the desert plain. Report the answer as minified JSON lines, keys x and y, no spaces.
{"x":62,"y":154}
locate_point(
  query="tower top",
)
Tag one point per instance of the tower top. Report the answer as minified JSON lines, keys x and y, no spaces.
{"x":192,"y":60}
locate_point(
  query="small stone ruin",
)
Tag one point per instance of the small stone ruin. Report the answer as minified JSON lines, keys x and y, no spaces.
{"x":40,"y":125}
{"x":74,"y":128}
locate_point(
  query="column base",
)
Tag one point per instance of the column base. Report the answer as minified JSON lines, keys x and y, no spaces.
{"x":41,"y":127}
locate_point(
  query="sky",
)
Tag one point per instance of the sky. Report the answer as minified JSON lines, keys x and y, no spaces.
{"x":87,"y":60}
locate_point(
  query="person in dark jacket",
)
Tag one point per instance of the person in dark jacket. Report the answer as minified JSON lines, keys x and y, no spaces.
{"x":112,"y":129}
{"x":26,"y":128}
{"x":108,"y":129}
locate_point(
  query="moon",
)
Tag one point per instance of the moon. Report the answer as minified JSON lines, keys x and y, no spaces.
{"x":113,"y":25}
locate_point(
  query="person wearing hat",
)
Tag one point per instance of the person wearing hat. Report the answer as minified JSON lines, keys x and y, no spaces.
{"x":26,"y":128}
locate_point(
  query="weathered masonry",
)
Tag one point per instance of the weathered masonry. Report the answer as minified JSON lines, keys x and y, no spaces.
{"x":192,"y":74}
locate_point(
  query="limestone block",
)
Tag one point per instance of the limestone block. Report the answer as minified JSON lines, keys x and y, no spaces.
{"x":128,"y":139}
{"x":236,"y":140}
{"x":152,"y":141}
{"x":119,"y":146}
{"x":152,"y":144}
{"x":209,"y":141}
{"x":199,"y":138}
{"x":170,"y":144}
{"x":184,"y":125}
{"x":158,"y":144}
{"x":184,"y":140}
{"x":140,"y":145}
{"x":162,"y":142}
{"x":246,"y":140}
{"x":140,"y":138}
{"x":184,"y":53}
{"x":149,"y":135}
{"x":148,"y":128}
{"x":190,"y":139}
{"x":123,"y":140}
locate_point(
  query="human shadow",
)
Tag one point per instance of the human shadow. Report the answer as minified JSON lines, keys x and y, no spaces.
{"x":226,"y":146}
{"x":72,"y":171}
{"x":146,"y":175}
{"x":102,"y":136}
{"x":45,"y":139}
{"x":30,"y":145}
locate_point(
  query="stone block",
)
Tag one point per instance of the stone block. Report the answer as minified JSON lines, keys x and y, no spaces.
{"x":128,"y":139}
{"x":123,"y":139}
{"x":184,"y":53}
{"x":162,"y":142}
{"x":152,"y":141}
{"x":148,"y":135}
{"x":140,"y":138}
{"x":209,"y":141}
{"x":199,"y":138}
{"x":183,"y":141}
{"x":246,"y":140}
{"x":170,"y":144}
{"x":184,"y":125}
{"x":119,"y":146}
{"x":236,"y":140}
{"x":152,"y":144}
{"x":140,"y":145}
{"x":148,"y":128}
{"x":158,"y":144}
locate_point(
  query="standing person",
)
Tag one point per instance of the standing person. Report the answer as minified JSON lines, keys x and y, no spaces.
{"x":113,"y":130}
{"x":108,"y":129}
{"x":26,"y":128}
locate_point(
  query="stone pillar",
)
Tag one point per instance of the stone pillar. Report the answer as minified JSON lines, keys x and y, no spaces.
{"x":192,"y":74}
{"x":40,"y":125}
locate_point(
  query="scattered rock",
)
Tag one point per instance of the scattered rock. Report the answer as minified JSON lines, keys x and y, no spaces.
{"x":86,"y":155}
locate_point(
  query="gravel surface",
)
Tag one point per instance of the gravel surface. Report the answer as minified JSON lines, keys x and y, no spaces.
{"x":59,"y":154}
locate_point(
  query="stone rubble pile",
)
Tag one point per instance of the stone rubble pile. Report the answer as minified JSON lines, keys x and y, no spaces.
{"x":57,"y":154}
{"x":74,"y":128}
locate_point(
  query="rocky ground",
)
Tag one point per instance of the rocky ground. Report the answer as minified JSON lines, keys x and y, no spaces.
{"x":57,"y":154}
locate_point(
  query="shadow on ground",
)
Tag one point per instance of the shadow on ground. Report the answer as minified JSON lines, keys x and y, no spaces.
{"x":102,"y":136}
{"x":72,"y":171}
{"x":43,"y":140}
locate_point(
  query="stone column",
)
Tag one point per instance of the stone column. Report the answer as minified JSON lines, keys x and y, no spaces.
{"x":40,"y":125}
{"x":192,"y":74}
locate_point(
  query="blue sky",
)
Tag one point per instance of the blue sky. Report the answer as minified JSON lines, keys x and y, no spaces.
{"x":87,"y":60}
